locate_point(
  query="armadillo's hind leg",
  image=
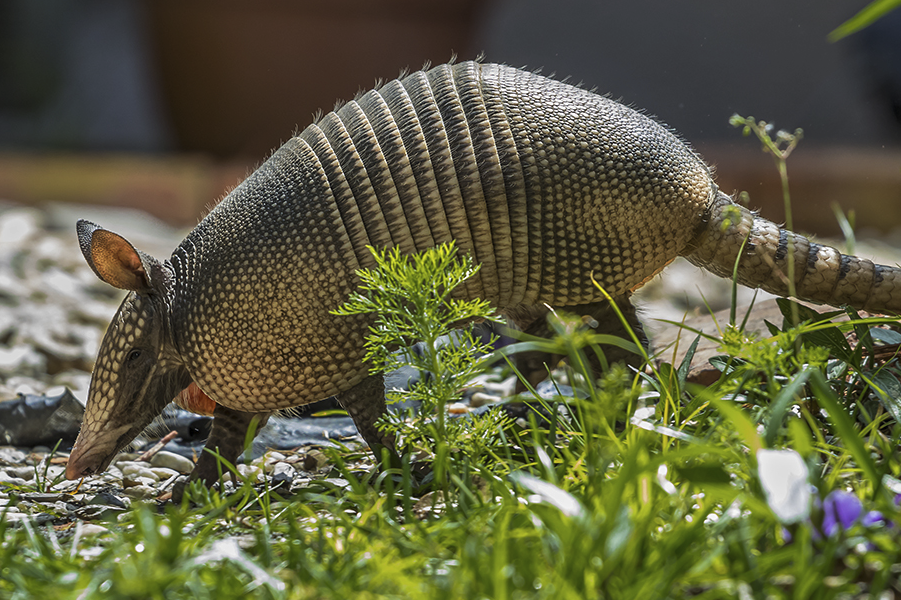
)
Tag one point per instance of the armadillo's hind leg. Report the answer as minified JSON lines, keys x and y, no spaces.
{"x":227,"y":439}
{"x":601,"y":316}
{"x":533,"y":366}
{"x":365,"y":403}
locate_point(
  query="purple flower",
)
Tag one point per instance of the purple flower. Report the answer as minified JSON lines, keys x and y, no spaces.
{"x":874,"y":518}
{"x":843,"y":510}
{"x":840,"y":508}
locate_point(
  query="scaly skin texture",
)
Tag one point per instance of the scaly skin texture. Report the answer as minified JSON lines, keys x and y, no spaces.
{"x":543,"y":183}
{"x":822,"y":273}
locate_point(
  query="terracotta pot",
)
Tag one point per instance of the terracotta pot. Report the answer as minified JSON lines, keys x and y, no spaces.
{"x":239,"y":76}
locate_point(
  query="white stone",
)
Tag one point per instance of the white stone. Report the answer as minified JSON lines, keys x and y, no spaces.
{"x":4,"y":478}
{"x":140,"y":492}
{"x":11,"y":455}
{"x":457,"y":408}
{"x":270,"y":459}
{"x":253,"y":473}
{"x":133,"y":471}
{"x":91,"y":530}
{"x":481,"y":398}
{"x":26,"y":473}
{"x":12,"y":516}
{"x":123,"y":465}
{"x":164,"y":473}
{"x":131,"y":481}
{"x":283,"y":469}
{"x":112,"y":475}
{"x":53,"y":471}
{"x":22,"y":357}
{"x":170,"y":460}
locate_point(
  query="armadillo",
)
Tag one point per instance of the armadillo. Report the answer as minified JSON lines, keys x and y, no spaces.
{"x":542,"y":183}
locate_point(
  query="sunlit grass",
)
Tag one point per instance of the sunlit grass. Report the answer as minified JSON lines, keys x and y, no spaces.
{"x":634,"y":485}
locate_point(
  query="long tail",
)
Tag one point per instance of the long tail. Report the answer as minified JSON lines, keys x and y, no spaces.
{"x":822,"y":274}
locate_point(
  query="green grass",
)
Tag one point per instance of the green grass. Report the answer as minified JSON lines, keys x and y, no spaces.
{"x":645,"y":486}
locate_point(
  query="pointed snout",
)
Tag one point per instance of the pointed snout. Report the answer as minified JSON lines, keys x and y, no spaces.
{"x":94,"y":451}
{"x":81,"y":465}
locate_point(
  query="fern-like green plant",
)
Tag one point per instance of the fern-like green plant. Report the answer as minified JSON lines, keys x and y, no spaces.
{"x":412,"y":300}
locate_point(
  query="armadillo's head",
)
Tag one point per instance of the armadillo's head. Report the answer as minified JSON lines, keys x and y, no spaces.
{"x":137,"y":370}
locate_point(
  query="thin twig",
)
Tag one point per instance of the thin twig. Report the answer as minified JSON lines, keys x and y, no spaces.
{"x":146,"y":456}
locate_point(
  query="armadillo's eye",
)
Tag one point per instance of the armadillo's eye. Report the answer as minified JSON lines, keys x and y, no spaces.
{"x":134,"y":355}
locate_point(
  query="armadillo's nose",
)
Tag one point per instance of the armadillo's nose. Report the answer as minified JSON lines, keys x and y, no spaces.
{"x":72,"y":472}
{"x":76,"y":469}
{"x":82,"y":461}
{"x":94,"y":450}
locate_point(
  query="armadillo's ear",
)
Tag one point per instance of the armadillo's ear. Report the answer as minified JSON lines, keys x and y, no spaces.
{"x":113,"y":258}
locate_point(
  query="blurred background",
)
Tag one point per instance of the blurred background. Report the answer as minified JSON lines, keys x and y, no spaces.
{"x":141,"y":114}
{"x":163,"y":105}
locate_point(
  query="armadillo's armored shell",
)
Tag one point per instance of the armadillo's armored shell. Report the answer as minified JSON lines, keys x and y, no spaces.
{"x":541,"y":182}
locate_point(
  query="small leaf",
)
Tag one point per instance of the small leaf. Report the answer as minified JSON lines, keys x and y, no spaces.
{"x":784,"y":477}
{"x":833,"y":340}
{"x":665,"y":430}
{"x":783,"y":401}
{"x":804,"y":313}
{"x":886,"y":336}
{"x":864,"y":337}
{"x":720,"y":362}
{"x":548,"y":493}
{"x":830,"y":338}
{"x":685,"y":365}
{"x":666,"y":371}
{"x":888,"y":390}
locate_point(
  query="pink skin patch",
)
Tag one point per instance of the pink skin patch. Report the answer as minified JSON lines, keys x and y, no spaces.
{"x":193,"y":399}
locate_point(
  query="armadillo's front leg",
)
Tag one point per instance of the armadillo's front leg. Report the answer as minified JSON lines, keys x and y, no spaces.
{"x":365,"y":403}
{"x":227,"y":438}
{"x":608,"y":322}
{"x":534,"y":365}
